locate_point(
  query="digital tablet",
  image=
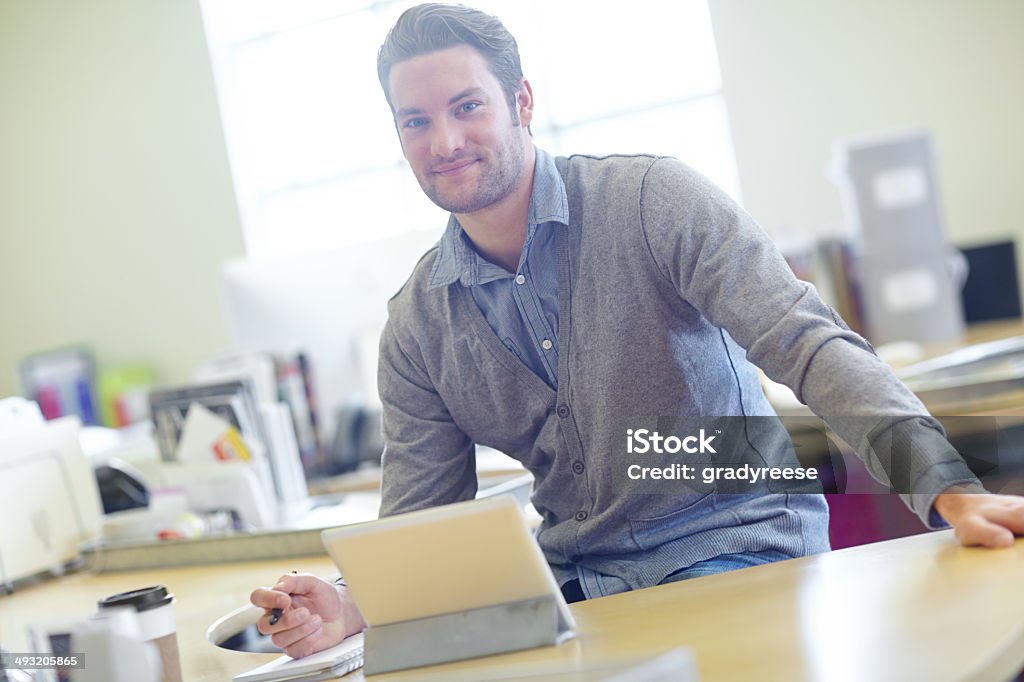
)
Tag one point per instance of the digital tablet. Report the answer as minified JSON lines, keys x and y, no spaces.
{"x":442,"y":560}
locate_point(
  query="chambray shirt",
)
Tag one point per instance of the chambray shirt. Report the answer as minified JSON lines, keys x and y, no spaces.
{"x":521,"y":307}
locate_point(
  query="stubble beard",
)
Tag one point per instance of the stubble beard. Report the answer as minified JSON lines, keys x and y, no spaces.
{"x":497,"y":179}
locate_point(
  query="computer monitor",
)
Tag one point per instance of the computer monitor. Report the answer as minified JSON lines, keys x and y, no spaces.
{"x":991,"y":291}
{"x":331,"y":306}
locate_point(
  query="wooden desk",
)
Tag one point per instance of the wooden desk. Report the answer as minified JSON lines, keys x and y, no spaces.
{"x":1004,"y":403}
{"x":917,"y":608}
{"x":980,"y":332}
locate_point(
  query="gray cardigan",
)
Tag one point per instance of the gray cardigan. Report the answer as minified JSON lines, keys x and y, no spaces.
{"x":663,"y":282}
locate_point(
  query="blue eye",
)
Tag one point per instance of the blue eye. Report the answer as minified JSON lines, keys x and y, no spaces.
{"x":415,"y":123}
{"x":469,"y":106}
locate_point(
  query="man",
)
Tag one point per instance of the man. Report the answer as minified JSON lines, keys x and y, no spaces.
{"x":569,"y":293}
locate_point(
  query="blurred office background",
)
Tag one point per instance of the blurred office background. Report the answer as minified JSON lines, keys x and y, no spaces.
{"x":152,"y":150}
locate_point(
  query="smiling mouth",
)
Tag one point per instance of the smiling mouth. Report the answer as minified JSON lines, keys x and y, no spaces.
{"x":454,"y":168}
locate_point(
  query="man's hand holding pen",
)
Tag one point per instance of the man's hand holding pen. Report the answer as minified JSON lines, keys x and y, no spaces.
{"x":306,"y":614}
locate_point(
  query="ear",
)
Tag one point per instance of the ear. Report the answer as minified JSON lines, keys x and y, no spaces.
{"x":524,"y":104}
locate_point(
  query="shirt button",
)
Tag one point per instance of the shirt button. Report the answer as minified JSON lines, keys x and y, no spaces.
{"x":520,"y":279}
{"x":581,"y":516}
{"x":546,"y":344}
{"x":577,"y":467}
{"x":563,"y":411}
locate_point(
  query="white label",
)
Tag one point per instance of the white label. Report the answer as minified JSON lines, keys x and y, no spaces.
{"x":910,"y":291}
{"x":900,"y":188}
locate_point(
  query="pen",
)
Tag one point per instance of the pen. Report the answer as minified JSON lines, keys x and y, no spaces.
{"x":275,"y":614}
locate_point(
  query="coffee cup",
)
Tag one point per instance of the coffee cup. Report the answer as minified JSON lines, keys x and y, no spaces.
{"x":153,"y":606}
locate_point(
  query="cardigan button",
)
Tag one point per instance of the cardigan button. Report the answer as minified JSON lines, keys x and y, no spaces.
{"x":581,"y":516}
{"x":577,"y":467}
{"x":563,"y":411}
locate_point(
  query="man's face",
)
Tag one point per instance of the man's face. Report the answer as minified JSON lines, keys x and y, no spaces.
{"x":457,"y":130}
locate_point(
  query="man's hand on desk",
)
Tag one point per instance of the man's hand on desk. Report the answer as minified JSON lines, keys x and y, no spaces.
{"x":982,"y":519}
{"x":315,"y":614}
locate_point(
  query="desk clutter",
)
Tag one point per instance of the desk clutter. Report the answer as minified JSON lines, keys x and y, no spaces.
{"x":266,"y":400}
{"x":227,"y":454}
{"x":255,"y":412}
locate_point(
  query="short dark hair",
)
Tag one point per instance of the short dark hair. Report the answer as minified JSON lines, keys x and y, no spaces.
{"x":433,"y":26}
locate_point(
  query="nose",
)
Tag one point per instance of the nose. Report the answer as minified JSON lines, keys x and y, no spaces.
{"x":447,"y":139}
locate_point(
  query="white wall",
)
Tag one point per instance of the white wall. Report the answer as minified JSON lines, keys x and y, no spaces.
{"x":799,"y":73}
{"x":116,"y":204}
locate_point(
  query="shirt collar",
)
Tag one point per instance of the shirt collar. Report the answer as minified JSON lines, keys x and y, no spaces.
{"x":458,"y":261}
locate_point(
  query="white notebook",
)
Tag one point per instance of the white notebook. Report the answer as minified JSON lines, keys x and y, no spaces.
{"x":323,"y":665}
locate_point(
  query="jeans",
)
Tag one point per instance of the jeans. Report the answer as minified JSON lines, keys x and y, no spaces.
{"x":725,"y":562}
{"x":719,"y":564}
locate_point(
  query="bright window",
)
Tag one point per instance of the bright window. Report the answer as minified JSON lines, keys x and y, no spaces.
{"x":314,"y":153}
